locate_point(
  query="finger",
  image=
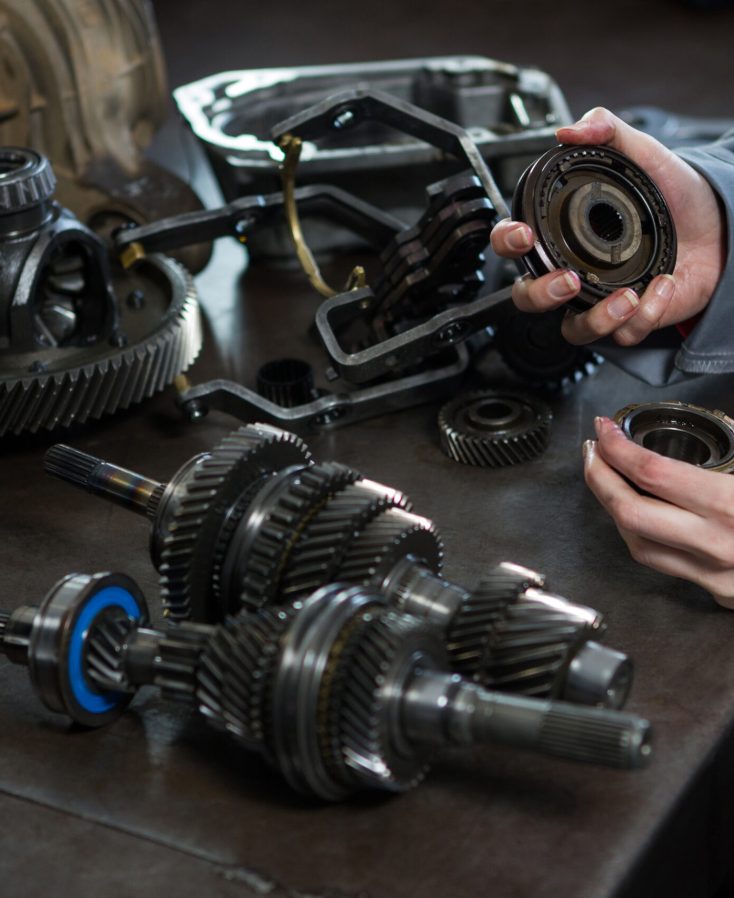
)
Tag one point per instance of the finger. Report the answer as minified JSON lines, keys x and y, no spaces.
{"x":641,"y":515}
{"x":706,"y":493}
{"x":546,"y":292}
{"x":683,"y":565}
{"x":600,"y":126}
{"x":601,"y":320}
{"x":654,"y":304}
{"x":511,"y":239}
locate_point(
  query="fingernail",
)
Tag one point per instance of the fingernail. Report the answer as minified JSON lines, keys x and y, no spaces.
{"x":564,"y":285}
{"x":665,"y":286}
{"x":598,"y":425}
{"x":621,"y":306}
{"x":588,"y":449}
{"x":519,"y":238}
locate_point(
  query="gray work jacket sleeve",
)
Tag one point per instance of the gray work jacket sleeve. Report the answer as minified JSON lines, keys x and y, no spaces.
{"x":709,"y":348}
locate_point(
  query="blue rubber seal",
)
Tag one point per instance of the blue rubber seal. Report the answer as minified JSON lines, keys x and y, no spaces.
{"x":109,"y":597}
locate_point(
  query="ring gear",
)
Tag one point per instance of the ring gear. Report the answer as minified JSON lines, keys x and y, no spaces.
{"x":493,"y":429}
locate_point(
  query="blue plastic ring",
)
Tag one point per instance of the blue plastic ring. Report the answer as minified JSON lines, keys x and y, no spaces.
{"x":109,"y":597}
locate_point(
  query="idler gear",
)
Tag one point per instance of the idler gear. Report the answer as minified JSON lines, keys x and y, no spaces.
{"x":594,"y":210}
{"x":338,"y":691}
{"x":689,"y":433}
{"x":77,"y":339}
{"x":494,"y":429}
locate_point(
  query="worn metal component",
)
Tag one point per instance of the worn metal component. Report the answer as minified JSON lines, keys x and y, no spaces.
{"x":77,"y":339}
{"x":594,"y":210}
{"x":679,"y":430}
{"x":511,"y":114}
{"x":332,"y":409}
{"x":493,"y":429}
{"x":255,"y":524}
{"x":338,"y":691}
{"x":85,"y":86}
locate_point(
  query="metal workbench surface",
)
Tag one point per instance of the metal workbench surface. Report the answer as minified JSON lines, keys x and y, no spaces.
{"x":159,"y":804}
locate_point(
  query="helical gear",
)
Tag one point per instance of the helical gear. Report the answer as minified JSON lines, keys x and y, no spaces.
{"x":300,"y":498}
{"x":319,"y":554}
{"x":236,"y":672}
{"x":72,"y":385}
{"x":365,"y":753}
{"x":385,"y":540}
{"x":493,"y":429}
{"x":472,"y":628}
{"x":218,"y":482}
{"x":530,"y":642}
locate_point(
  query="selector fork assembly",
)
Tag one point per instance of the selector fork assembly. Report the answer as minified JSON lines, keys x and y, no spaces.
{"x":256,"y":523}
{"x":338,"y":691}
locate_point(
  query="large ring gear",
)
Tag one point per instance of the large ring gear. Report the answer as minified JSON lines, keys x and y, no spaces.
{"x":339,"y":691}
{"x":79,"y":338}
{"x":255,"y":523}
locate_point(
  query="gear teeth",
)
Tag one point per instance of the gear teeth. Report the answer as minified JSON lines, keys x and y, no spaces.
{"x":317,"y":556}
{"x":472,"y":629}
{"x":493,"y":441}
{"x":236,"y":673}
{"x":178,"y":659}
{"x":531,"y":647}
{"x":359,"y":712}
{"x":104,"y":662}
{"x":294,"y":506}
{"x":188,"y":561}
{"x":46,"y":401}
{"x":392,"y":536}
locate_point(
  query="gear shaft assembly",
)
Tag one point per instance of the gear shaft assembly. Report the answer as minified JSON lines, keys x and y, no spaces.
{"x":338,"y":691}
{"x":255,"y":523}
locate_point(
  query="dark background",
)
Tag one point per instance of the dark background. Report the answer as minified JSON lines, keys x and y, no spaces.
{"x":157,"y":804}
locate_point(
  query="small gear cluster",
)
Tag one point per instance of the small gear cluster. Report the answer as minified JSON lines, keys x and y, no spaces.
{"x":338,"y":690}
{"x":256,"y":523}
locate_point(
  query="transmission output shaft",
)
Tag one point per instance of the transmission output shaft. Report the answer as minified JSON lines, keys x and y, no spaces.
{"x":339,"y":691}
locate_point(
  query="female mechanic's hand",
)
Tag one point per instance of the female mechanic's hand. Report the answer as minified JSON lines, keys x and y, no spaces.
{"x":684,"y":527}
{"x":699,"y":221}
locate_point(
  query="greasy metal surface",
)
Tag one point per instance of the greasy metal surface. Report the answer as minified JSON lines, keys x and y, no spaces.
{"x":156,"y":804}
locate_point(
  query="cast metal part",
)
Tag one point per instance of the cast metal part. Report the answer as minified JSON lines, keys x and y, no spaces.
{"x":254,"y":524}
{"x":511,"y":114}
{"x":493,"y":429}
{"x":85,"y":86}
{"x":593,"y":210}
{"x":338,"y":691}
{"x":77,"y":340}
{"x":689,"y":433}
{"x":331,"y":409}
